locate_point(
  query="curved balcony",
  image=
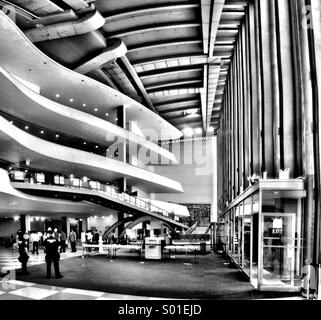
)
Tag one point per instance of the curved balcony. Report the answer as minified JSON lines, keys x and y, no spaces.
{"x":52,"y":115}
{"x":124,"y":201}
{"x":44,"y":155}
{"x":21,"y":58}
{"x":14,"y":202}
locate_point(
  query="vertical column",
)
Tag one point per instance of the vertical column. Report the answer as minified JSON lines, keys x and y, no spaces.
{"x":308,"y":154}
{"x":316,"y":76}
{"x":255,"y":87}
{"x":267,"y":94}
{"x":122,"y":152}
{"x":276,"y":88}
{"x":246,"y":94}
{"x":286,"y":76}
{"x":23,"y":223}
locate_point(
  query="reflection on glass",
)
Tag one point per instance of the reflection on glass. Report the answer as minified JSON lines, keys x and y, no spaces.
{"x":279,"y":242}
{"x":255,"y":238}
{"x":247,"y":225}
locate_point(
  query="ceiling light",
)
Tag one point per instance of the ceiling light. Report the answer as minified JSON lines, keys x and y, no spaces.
{"x":71,"y":100}
{"x":198,"y":130}
{"x":84,"y":105}
{"x":57,"y":135}
{"x":42,"y":132}
{"x":107,"y":114}
{"x":96,"y":147}
{"x":188,"y":132}
{"x":85,"y":142}
{"x":57,"y":95}
{"x":26,"y":127}
{"x":191,"y":111}
{"x":95,"y":109}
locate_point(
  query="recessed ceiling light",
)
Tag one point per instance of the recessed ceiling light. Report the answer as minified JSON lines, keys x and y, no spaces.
{"x":95,"y":109}
{"x":42,"y":132}
{"x":107,"y":114}
{"x":26,"y":127}
{"x":84,"y":105}
{"x":198,"y":130}
{"x":57,"y":95}
{"x":71,"y":100}
{"x":96,"y":147}
{"x":57,"y":135}
{"x":85,"y":142}
{"x":188,"y":132}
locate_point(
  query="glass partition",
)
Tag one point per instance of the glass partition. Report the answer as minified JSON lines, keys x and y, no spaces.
{"x":263,"y":233}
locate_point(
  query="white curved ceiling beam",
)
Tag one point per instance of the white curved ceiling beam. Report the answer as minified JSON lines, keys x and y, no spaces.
{"x":39,"y":7}
{"x":13,"y":202}
{"x":154,"y":28}
{"x":52,"y":115}
{"x":164,"y":44}
{"x":90,"y":22}
{"x":48,"y":156}
{"x":146,"y":11}
{"x":116,"y":49}
{"x":29,"y":63}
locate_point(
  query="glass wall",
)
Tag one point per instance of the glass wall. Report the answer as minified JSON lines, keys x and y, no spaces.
{"x":263,"y":237}
{"x":282,"y":242}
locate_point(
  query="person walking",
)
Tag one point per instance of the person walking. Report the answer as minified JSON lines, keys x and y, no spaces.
{"x":73,"y":239}
{"x":52,"y":255}
{"x":63,"y":239}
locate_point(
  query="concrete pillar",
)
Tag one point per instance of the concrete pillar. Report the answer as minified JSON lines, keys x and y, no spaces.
{"x":276,"y":89}
{"x":267,"y":93}
{"x":122,"y":148}
{"x":287,"y":96}
{"x":308,"y":154}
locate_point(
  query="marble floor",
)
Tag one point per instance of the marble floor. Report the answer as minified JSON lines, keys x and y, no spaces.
{"x":12,"y":289}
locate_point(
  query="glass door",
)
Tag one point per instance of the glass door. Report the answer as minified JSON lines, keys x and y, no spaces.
{"x":278,"y":249}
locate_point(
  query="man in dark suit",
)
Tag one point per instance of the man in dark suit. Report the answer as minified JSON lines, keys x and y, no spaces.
{"x":52,"y":255}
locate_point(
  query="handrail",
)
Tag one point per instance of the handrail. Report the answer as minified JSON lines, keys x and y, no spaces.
{"x":110,"y":191}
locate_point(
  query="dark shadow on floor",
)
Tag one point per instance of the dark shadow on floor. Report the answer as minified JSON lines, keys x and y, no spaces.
{"x":209,"y":278}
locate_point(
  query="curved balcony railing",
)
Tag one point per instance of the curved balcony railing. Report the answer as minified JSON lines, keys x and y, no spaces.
{"x":104,"y":189}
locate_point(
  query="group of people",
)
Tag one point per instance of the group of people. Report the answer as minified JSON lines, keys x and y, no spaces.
{"x":54,"y":243}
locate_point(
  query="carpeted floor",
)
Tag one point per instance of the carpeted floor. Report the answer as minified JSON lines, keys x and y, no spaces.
{"x":209,"y":278}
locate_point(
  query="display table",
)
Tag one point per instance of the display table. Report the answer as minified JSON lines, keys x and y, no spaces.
{"x":110,"y":248}
{"x":187,"y":248}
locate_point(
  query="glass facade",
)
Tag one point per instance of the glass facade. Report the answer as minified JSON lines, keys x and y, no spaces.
{"x":263,"y":234}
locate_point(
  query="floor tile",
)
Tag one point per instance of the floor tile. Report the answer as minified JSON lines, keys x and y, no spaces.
{"x":21,"y":283}
{"x":69,"y":296}
{"x":84,"y":292}
{"x":9,"y":296}
{"x":34,"y":293}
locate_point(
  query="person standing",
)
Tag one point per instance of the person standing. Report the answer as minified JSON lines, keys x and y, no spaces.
{"x":63,"y":239}
{"x":23,"y":253}
{"x":56,"y":234}
{"x":73,"y":239}
{"x":52,"y":255}
{"x":35,"y":242}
